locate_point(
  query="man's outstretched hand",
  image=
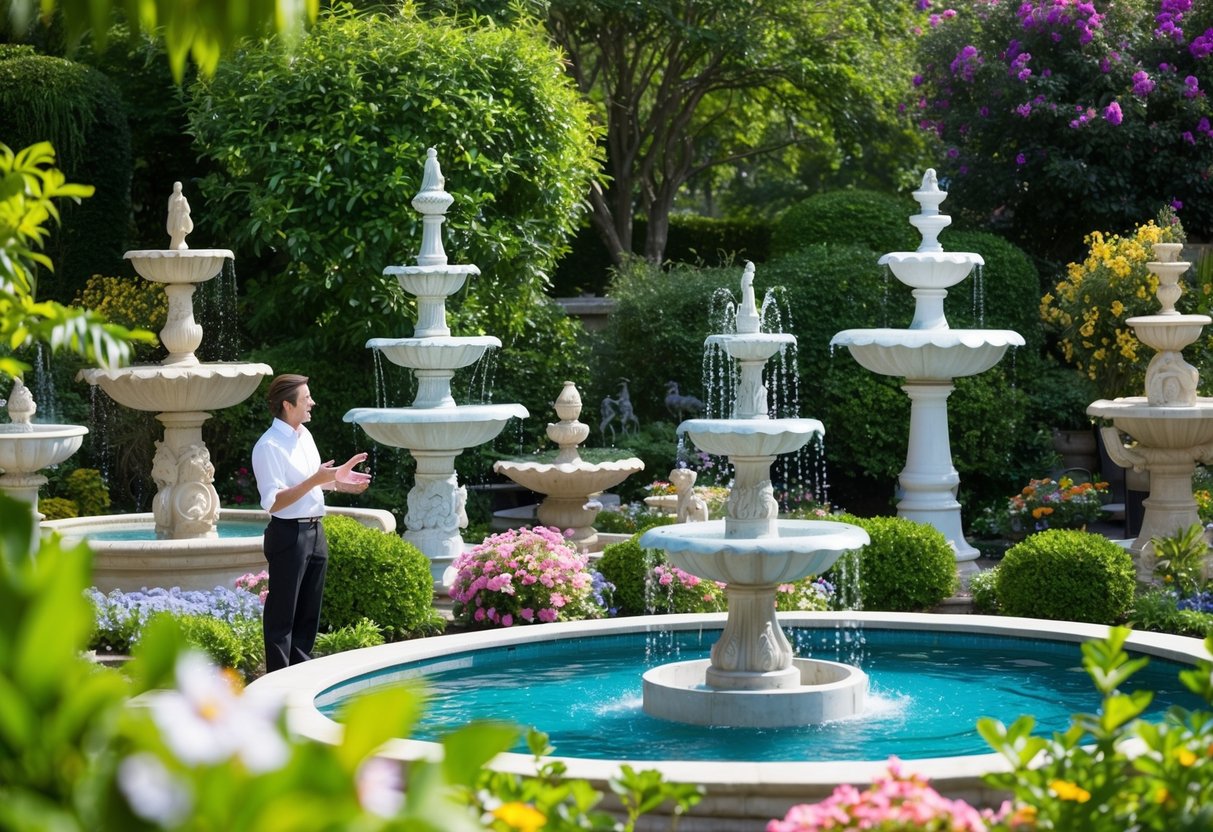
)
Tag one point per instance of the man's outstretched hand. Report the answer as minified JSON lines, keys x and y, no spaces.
{"x":347,"y":479}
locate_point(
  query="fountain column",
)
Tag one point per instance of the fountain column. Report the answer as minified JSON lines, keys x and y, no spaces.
{"x":929,"y":481}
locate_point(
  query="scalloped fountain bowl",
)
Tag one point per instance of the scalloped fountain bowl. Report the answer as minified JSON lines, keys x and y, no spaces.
{"x":931,"y":269}
{"x":438,"y":428}
{"x":1169,"y":332}
{"x":432,"y":281}
{"x":434,"y":353}
{"x":25,"y":449}
{"x":927,"y":354}
{"x":1159,"y":426}
{"x":751,"y":437}
{"x":756,"y":346}
{"x":191,"y":265}
{"x":179,"y":388}
{"x":578,"y":477}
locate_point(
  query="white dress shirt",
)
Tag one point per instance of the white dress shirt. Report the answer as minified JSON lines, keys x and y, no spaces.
{"x":284,"y":457}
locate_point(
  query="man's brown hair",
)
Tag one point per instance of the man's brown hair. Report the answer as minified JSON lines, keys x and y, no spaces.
{"x":284,"y":388}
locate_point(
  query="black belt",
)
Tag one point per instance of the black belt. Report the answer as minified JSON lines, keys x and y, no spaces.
{"x":305,"y":521}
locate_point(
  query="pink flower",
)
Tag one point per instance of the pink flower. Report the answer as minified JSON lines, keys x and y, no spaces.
{"x":526,"y":614}
{"x":1112,"y":114}
{"x":547,"y":615}
{"x":507,"y":620}
{"x":479,"y":614}
{"x":558,"y":600}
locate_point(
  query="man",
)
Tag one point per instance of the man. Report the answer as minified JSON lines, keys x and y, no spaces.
{"x":291,"y":480}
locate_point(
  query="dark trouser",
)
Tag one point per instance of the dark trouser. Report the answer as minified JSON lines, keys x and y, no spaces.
{"x":297,"y":554}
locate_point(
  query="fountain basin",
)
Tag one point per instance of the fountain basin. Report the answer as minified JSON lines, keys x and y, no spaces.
{"x":927,"y":354}
{"x":1169,"y":332}
{"x":572,"y":478}
{"x":931,"y":269}
{"x":140,"y":560}
{"x":25,"y":449}
{"x":1177,"y":427}
{"x":821,"y":691}
{"x":191,"y":265}
{"x":438,"y":428}
{"x":801,"y":548}
{"x":433,"y":353}
{"x":741,"y":792}
{"x":751,"y":437}
{"x":755,"y":346}
{"x":181,"y":388}
{"x":432,"y":281}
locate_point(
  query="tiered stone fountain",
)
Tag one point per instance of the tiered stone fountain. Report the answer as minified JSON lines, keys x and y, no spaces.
{"x":178,"y":544}
{"x":1172,"y":426}
{"x":181,"y":390}
{"x":27,"y":447}
{"x":753,"y":552}
{"x":569,"y":482}
{"x":929,"y":355}
{"x":434,"y":430}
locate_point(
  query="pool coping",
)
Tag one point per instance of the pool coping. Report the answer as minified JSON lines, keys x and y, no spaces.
{"x":736,"y":790}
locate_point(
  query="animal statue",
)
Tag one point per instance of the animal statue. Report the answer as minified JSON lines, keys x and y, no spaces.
{"x":627,"y":417}
{"x":681,"y":406}
{"x":608,"y":411}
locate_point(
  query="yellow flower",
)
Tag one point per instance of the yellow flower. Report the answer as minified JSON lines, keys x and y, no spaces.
{"x":1118,"y":308}
{"x":521,"y":816}
{"x":1185,"y":757}
{"x":1066,"y":790}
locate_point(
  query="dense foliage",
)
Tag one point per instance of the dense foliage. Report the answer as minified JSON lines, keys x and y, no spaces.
{"x":1069,"y":575}
{"x":1044,"y":106}
{"x":80,"y":112}
{"x":906,"y":567}
{"x":376,"y":575}
{"x":859,"y":217}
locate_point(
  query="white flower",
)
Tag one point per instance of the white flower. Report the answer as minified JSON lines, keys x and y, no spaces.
{"x":380,"y":787}
{"x":205,"y":721}
{"x":152,"y":791}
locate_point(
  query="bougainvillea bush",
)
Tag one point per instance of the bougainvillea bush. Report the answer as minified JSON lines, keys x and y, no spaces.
{"x":1042,"y":106}
{"x":525,"y":576}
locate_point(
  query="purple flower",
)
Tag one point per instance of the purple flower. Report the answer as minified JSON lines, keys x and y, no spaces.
{"x":1112,"y":114}
{"x":1021,"y":159}
{"x":1024,"y":110}
{"x":1177,"y":204}
{"x":1202,"y":46}
{"x":953,"y":152}
{"x":1142,"y":85}
{"x":1188,"y":137}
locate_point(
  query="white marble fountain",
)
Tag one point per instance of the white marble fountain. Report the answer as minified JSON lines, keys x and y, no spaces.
{"x":929,"y":355}
{"x":569,"y":482}
{"x":1172,"y":427}
{"x":434,"y":429}
{"x":753,"y":552}
{"x":26,"y":446}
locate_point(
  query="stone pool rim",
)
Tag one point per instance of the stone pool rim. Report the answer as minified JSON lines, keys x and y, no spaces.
{"x":748,"y":791}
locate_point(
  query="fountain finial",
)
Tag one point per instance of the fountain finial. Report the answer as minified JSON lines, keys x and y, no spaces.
{"x":21,"y":406}
{"x":431,"y":202}
{"x":179,"y":223}
{"x":928,"y":220}
{"x":748,"y":319}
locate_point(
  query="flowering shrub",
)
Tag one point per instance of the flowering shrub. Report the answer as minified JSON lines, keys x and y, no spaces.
{"x":525,"y":576}
{"x":674,"y":590}
{"x":1045,"y":105}
{"x":659,"y":488}
{"x":257,"y":583}
{"x":122,"y":616}
{"x":813,"y":593}
{"x":239,"y":489}
{"x":896,"y":803}
{"x":1055,"y":504}
{"x":1089,"y":307}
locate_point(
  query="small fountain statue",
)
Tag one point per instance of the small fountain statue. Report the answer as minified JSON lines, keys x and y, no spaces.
{"x":27,"y":447}
{"x":21,"y":407}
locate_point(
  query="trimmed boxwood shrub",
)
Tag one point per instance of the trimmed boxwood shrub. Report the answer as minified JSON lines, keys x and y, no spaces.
{"x":877,"y":221}
{"x":626,"y":565}
{"x":377,"y":575}
{"x":907,"y":566}
{"x":1067,"y":575}
{"x":221,"y":642}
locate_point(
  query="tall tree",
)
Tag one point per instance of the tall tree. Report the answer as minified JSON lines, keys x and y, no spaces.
{"x":686,"y":86}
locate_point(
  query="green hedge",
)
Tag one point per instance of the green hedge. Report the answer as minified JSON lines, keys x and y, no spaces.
{"x":80,"y":111}
{"x":380,"y":576}
{"x":877,"y":221}
{"x":1068,"y":575}
{"x":907,"y":566}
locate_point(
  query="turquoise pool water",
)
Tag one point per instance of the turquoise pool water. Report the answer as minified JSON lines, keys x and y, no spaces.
{"x":226,"y":529}
{"x":927,"y":692}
